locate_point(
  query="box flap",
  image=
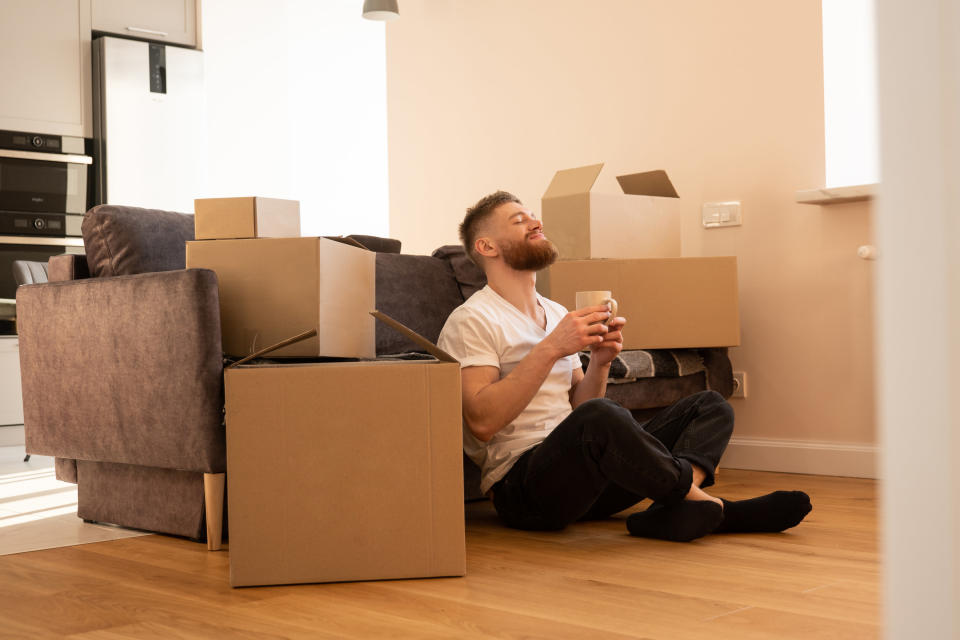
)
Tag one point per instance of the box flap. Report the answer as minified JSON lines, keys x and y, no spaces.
{"x":648,"y":183}
{"x":274,"y":347}
{"x":568,"y":182}
{"x":345,"y":240}
{"x":431,"y":348}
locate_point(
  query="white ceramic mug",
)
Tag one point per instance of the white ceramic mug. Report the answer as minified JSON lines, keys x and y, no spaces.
{"x":595,"y":298}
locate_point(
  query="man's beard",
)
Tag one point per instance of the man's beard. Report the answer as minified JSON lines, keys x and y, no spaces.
{"x":530,"y":256}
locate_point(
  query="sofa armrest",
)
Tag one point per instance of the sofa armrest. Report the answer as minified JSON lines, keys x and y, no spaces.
{"x":125,"y":369}
{"x":69,"y":266}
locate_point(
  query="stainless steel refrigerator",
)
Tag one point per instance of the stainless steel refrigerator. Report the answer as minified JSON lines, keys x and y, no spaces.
{"x":150,"y":140}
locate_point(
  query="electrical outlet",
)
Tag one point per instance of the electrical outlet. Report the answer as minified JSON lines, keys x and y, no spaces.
{"x":739,"y":384}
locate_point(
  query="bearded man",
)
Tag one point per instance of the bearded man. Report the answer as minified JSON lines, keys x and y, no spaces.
{"x":551,"y":449}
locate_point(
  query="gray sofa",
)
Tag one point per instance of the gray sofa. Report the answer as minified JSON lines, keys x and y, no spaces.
{"x":122,"y":367}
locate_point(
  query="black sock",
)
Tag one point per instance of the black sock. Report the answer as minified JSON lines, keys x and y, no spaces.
{"x":770,"y":513}
{"x":681,"y":522}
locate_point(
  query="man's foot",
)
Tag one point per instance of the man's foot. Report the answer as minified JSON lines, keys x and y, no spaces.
{"x":770,"y":513}
{"x":681,"y":522}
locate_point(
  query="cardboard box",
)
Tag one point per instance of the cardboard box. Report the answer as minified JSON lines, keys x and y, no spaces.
{"x":254,"y":217}
{"x":641,"y":222}
{"x":669,"y":303}
{"x":273,"y":288}
{"x":326,"y":485}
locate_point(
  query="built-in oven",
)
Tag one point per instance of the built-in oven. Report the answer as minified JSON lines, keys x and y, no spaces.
{"x":45,"y":188}
{"x":44,"y":184}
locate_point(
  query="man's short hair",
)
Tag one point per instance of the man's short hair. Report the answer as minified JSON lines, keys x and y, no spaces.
{"x":475,"y":217}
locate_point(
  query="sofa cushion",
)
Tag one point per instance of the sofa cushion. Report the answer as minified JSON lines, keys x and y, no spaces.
{"x":378,"y":244}
{"x":128,"y":240}
{"x":470,"y":277}
{"x":420,"y":292}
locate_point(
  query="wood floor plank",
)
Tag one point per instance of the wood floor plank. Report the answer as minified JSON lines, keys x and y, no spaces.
{"x":820,"y":579}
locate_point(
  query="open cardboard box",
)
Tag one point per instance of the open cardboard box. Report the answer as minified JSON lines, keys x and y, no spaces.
{"x":249,"y":217}
{"x":345,"y":470}
{"x":641,"y":222}
{"x":270,"y":288}
{"x":669,"y":303}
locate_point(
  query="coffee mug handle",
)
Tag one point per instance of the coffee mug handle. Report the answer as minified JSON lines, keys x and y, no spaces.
{"x":613,"y":306}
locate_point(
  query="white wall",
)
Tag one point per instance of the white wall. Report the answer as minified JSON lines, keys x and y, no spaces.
{"x":297,"y":108}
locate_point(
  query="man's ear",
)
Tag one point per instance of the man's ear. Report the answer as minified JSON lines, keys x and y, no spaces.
{"x":486,"y":247}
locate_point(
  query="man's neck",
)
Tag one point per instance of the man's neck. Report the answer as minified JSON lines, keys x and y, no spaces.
{"x":519,"y":288}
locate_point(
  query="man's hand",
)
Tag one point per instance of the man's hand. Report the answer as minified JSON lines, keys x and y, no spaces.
{"x":604,"y":352}
{"x":579,"y":329}
{"x":593,"y":384}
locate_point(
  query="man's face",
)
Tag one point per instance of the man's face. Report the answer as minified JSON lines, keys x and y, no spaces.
{"x":518,"y":233}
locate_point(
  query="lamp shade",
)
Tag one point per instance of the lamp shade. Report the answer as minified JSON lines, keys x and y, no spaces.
{"x":380,"y":10}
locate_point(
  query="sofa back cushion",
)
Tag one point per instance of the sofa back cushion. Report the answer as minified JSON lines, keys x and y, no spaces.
{"x":470,"y":277}
{"x":123,"y":241}
{"x":420,"y":292}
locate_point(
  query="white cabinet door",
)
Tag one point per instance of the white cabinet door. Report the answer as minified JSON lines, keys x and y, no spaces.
{"x":161,"y":20}
{"x":45,"y":67}
{"x":11,"y":402}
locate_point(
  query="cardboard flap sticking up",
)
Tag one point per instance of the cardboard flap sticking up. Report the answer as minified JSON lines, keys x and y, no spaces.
{"x":648,"y":183}
{"x":568,"y":182}
{"x":274,"y":347}
{"x":431,"y":348}
{"x":345,"y":240}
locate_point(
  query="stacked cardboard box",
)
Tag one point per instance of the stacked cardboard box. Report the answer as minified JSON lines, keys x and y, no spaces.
{"x":629,"y":244}
{"x":323,"y":484}
{"x":276,"y":286}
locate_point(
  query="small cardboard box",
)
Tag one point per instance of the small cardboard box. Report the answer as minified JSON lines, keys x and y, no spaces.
{"x":326,"y":485}
{"x":641,"y":222}
{"x":253,"y":217}
{"x":271,"y":288}
{"x":669,"y":303}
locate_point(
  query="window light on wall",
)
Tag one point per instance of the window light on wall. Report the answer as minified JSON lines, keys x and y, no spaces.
{"x":850,"y":93}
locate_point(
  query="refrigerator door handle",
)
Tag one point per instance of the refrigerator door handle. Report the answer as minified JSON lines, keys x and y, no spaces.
{"x":150,"y":31}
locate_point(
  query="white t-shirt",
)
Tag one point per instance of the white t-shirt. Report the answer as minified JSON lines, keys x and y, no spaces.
{"x":486,"y":330}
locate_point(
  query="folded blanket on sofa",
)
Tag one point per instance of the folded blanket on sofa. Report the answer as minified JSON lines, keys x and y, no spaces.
{"x":653,"y":363}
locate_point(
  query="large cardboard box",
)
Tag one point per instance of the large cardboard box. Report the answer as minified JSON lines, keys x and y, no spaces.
{"x":669,"y":303}
{"x":273,"y":288}
{"x":326,"y":485}
{"x":254,"y":217}
{"x":641,"y":222}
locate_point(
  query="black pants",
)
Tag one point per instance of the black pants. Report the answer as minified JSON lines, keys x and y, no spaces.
{"x":599,"y":461}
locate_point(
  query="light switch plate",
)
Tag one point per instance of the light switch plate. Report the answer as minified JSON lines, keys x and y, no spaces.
{"x":721,"y":214}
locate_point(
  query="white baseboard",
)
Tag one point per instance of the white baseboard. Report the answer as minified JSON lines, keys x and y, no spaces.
{"x":795,"y":456}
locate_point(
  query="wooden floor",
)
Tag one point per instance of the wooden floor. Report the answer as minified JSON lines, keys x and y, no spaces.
{"x":819,"y":580}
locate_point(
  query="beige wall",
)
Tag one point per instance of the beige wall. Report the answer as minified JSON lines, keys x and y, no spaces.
{"x":726,"y":96}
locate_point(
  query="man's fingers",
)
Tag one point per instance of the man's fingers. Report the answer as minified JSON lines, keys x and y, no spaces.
{"x":613,"y":336}
{"x":597,"y":329}
{"x":606,"y":345}
{"x":597,"y":316}
{"x":585,"y":311}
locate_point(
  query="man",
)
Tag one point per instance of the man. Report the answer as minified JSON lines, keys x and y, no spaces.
{"x":551,"y":449}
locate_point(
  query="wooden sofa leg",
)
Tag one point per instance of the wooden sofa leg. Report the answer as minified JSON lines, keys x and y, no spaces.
{"x":213,"y":503}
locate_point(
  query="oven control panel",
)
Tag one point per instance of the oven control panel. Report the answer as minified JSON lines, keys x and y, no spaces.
{"x":33,"y":224}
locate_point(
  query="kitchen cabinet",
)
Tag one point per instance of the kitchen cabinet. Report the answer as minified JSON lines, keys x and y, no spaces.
{"x":45,"y":67}
{"x":173,"y":21}
{"x":11,"y":402}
